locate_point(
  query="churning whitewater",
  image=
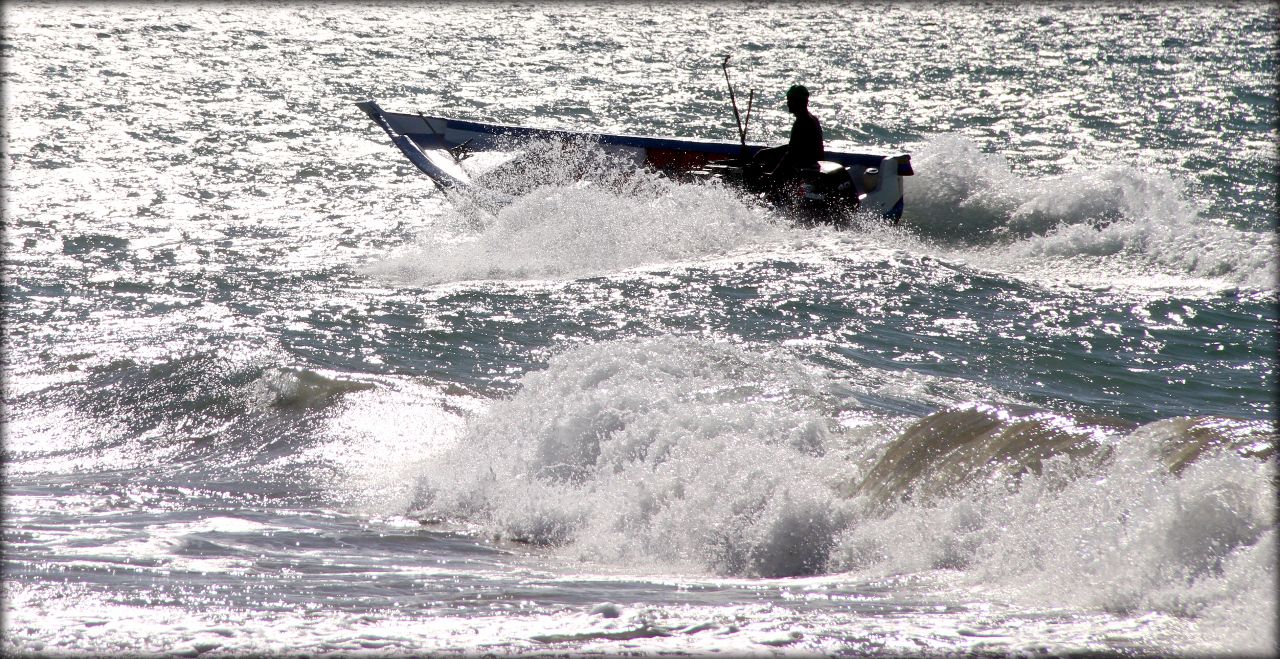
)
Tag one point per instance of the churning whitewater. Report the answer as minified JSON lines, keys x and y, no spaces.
{"x":268,"y":390}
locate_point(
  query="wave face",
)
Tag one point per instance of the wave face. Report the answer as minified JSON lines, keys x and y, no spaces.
{"x":1124,"y":533}
{"x":684,"y":452}
{"x":203,"y":413}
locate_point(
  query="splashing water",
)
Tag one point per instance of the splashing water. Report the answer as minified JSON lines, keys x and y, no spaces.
{"x":1115,"y":215}
{"x":572,"y":210}
{"x":1127,"y":535}
{"x":216,"y":420}
{"x":683,"y":453}
{"x":669,"y":450}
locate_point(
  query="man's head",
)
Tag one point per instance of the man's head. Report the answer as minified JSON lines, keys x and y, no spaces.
{"x":797,"y":99}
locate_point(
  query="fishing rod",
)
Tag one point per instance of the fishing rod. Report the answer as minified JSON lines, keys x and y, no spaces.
{"x":742,"y":124}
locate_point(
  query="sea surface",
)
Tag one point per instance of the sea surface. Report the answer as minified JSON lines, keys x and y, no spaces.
{"x":267,"y":390}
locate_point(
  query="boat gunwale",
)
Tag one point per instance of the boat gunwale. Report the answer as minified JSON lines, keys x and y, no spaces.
{"x":699,"y":144}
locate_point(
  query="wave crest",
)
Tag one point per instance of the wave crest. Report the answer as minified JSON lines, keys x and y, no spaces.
{"x":679,"y":452}
{"x":1143,"y":218}
{"x":673,"y":450}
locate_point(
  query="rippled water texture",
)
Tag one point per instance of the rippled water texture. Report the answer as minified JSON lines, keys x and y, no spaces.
{"x":268,"y":390}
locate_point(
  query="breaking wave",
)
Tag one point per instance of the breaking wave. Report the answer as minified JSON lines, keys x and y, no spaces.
{"x":686,"y":453}
{"x":672,"y":450}
{"x":1111,"y":212}
{"x":567,"y":210}
{"x":1175,"y":516}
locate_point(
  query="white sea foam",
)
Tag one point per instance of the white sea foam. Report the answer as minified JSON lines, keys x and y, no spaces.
{"x":573,"y":212}
{"x":1121,"y":217}
{"x":381,"y":437}
{"x":669,"y":450}
{"x":583,"y":230}
{"x":1132,"y":537}
{"x":689,"y":454}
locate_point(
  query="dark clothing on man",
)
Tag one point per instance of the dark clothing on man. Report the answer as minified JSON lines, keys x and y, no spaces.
{"x":805,"y":148}
{"x":802,"y":151}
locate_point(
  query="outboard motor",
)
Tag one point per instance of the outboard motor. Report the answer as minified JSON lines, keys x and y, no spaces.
{"x":828,"y":194}
{"x":831,"y":187}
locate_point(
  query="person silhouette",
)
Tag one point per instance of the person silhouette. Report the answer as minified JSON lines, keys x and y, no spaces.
{"x":803,"y":150}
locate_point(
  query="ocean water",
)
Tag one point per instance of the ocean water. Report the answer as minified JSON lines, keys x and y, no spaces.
{"x":268,"y":391}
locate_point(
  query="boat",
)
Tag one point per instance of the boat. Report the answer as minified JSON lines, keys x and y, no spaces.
{"x":846,"y":182}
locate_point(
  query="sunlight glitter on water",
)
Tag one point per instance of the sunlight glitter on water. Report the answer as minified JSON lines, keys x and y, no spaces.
{"x":243,"y":334}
